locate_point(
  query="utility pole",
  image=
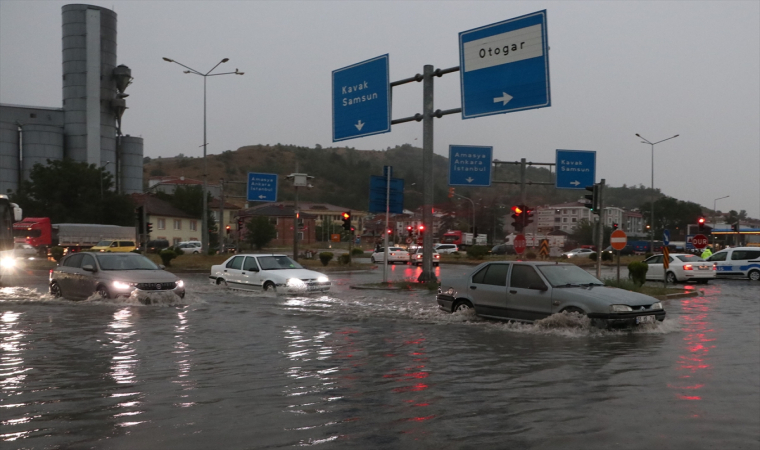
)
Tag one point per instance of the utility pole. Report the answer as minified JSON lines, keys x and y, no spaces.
{"x":220,"y":227}
{"x":600,"y":231}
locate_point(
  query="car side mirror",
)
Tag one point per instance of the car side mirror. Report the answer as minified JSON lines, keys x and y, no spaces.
{"x":538,"y":287}
{"x":88,"y":268}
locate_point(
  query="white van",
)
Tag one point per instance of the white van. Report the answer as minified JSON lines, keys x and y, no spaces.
{"x":738,"y":262}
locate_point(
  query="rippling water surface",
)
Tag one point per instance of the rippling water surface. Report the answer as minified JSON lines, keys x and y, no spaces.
{"x":371,"y":369}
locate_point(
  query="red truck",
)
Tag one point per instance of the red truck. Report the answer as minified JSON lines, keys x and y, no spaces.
{"x":463,"y":240}
{"x":41,"y":234}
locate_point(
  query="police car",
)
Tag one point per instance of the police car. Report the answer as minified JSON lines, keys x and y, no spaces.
{"x":737,"y":262}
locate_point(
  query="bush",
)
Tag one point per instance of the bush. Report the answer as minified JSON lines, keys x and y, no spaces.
{"x":593,"y":257}
{"x":344,"y":258}
{"x":637,"y":272}
{"x":606,"y":256}
{"x":57,"y":253}
{"x":357,"y":251}
{"x":531,"y":255}
{"x":167,"y":255}
{"x":326,"y":257}
{"x":477,"y":251}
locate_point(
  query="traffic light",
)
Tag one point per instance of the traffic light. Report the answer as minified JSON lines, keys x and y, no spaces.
{"x":346,"y":216}
{"x":735,"y":227}
{"x":390,"y":231}
{"x":474,"y":232}
{"x":422,"y":229}
{"x":148,"y":227}
{"x":527,"y":216}
{"x":593,"y":203}
{"x":228,"y":228}
{"x":139,"y":219}
{"x":701,"y":223}
{"x":517,"y":215}
{"x":451,"y":192}
{"x":614,"y":226}
{"x":240,"y":223}
{"x":409,"y":231}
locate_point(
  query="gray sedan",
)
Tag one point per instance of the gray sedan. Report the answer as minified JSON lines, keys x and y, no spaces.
{"x":111,"y":275}
{"x":528,"y":291}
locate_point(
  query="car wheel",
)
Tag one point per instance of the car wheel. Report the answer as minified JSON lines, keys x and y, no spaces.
{"x":196,"y":253}
{"x":103,"y":292}
{"x":269,"y":286}
{"x":55,"y":290}
{"x":754,"y":275}
{"x":461,"y":305}
{"x":573,"y":309}
{"x":372,"y":259}
{"x":221,"y":282}
{"x":671,"y":278}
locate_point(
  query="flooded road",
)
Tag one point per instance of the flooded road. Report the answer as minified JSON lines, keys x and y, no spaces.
{"x":371,"y":369}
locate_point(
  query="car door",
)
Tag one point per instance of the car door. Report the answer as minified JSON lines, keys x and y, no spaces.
{"x":722,"y":266}
{"x":67,"y":274}
{"x":656,"y":270}
{"x":251,"y":274}
{"x":233,"y":272}
{"x":529,"y":296}
{"x":488,"y":289}
{"x":85,"y":280}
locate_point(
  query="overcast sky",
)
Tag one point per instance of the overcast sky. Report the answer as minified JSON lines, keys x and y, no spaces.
{"x":617,"y":68}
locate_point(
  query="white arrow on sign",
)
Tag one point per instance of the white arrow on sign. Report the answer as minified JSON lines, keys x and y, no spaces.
{"x":575,"y":183}
{"x":470,"y":180}
{"x":359,"y":125}
{"x":262,"y":196}
{"x":505,"y":98}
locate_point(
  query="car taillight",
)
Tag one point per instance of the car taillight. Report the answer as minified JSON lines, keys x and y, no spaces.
{"x":715,"y":267}
{"x":688,"y":267}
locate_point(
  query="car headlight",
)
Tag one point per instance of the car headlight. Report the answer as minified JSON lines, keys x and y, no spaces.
{"x":450,"y":291}
{"x":620,"y":308}
{"x":323,"y":279}
{"x":180,"y":284}
{"x":295,"y":283}
{"x":122,"y":285}
{"x":7,"y":263}
{"x":657,"y":305}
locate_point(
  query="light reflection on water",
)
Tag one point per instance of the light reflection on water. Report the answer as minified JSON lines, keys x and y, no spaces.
{"x":124,"y":360}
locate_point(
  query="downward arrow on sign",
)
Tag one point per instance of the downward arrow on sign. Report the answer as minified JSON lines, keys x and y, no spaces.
{"x":470,"y":180}
{"x":505,"y":98}
{"x":359,"y":125}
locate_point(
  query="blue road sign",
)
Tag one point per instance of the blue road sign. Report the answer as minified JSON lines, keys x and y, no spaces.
{"x":576,"y":169}
{"x":470,"y":165}
{"x":262,"y":187}
{"x":666,"y":237}
{"x":378,"y":193}
{"x":361,"y":99}
{"x":504,"y":67}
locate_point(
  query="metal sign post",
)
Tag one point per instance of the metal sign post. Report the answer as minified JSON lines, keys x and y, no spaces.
{"x":600,"y":231}
{"x":388,"y":170}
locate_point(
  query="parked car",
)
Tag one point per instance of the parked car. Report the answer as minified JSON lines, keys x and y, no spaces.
{"x":110,"y":246}
{"x":626,"y":251}
{"x":157,"y":245}
{"x":395,"y":255}
{"x":268,"y":272}
{"x":416,"y":257}
{"x":529,"y":291}
{"x":111,"y":275}
{"x":578,"y":253}
{"x":189,"y":248}
{"x":737,"y":262}
{"x":502,"y":249}
{"x":681,"y":267}
{"x":446,"y":248}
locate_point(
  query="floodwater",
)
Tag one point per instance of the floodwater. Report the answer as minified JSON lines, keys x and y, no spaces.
{"x":371,"y":369}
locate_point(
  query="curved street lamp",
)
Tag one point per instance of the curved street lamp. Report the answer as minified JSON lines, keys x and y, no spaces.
{"x":204,"y":218}
{"x":652,"y":144}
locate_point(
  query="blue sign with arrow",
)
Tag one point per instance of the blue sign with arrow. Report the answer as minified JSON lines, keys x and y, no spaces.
{"x":262,"y":187}
{"x":470,"y":165}
{"x":504,"y":67}
{"x":666,"y":237}
{"x":576,"y":169}
{"x":361,"y":99}
{"x":378,"y":192}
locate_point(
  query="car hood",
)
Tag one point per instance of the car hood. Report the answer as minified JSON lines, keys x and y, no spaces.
{"x":303,"y":274}
{"x":138,"y":276}
{"x":605,"y":295}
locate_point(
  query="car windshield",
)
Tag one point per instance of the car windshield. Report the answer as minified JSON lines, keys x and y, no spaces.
{"x":103,"y":244}
{"x":568,"y":276}
{"x":125,"y":261}
{"x":690,"y":258}
{"x":277,"y":263}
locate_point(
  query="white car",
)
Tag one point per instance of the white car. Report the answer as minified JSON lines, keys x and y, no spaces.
{"x":578,"y":253}
{"x":268,"y":272}
{"x":189,"y":247}
{"x":395,"y":254}
{"x":681,"y":267}
{"x":416,"y":257}
{"x":737,"y":262}
{"x":446,"y":248}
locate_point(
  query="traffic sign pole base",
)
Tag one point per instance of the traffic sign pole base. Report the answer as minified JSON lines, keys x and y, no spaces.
{"x":427,"y":277}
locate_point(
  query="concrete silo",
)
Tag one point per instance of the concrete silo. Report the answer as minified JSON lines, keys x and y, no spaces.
{"x":131,"y":164}
{"x":40,"y":143}
{"x":9,"y":157}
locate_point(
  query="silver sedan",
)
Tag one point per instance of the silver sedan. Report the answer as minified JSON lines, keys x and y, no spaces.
{"x":529,"y":291}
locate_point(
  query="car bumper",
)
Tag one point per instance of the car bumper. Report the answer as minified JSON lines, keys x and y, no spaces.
{"x":306,"y":289}
{"x":179,"y":291}
{"x":445,"y":302}
{"x":627,"y":319}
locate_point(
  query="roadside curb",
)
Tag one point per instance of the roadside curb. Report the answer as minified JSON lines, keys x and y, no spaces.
{"x":685,"y":294}
{"x":374,"y":288}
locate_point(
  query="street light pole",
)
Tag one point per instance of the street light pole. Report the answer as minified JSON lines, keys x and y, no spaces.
{"x":714,"y":212}
{"x":473,"y":214}
{"x":652,"y":144}
{"x":204,"y":217}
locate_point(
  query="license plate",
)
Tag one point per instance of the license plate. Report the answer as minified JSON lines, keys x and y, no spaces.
{"x":704,"y":267}
{"x":644,"y":319}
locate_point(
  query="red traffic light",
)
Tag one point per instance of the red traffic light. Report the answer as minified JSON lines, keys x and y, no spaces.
{"x":346,"y":215}
{"x":517,"y":210}
{"x":701,"y":221}
{"x":422,"y":228}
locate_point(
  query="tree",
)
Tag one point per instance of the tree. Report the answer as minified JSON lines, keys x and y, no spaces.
{"x":69,"y":192}
{"x":259,"y":232}
{"x":190,"y":200}
{"x":671,"y":214}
